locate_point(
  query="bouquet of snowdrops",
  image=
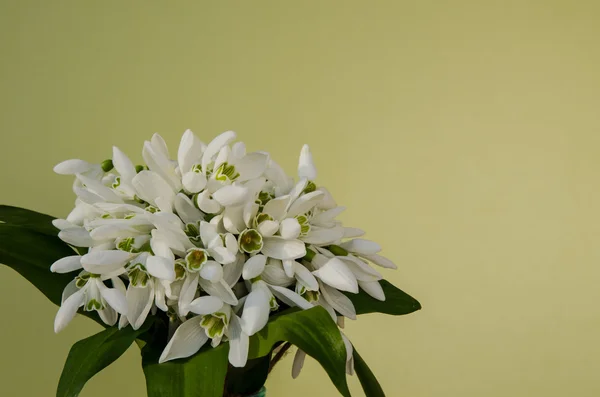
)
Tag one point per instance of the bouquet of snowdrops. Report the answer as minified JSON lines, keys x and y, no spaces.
{"x":214,"y":263}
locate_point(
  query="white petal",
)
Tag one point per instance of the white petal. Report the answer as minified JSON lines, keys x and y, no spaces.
{"x":69,"y":290}
{"x":351,"y":232}
{"x":222,"y":157}
{"x":268,"y":228}
{"x":238,"y":150}
{"x":105,"y":261}
{"x":115,"y":298}
{"x":233,"y":271}
{"x":327,"y":202}
{"x":297,"y":191}
{"x":340,"y":302}
{"x":187,"y":293}
{"x":193,"y":182}
{"x":158,"y":162}
{"x":321,"y":236}
{"x":221,"y":290}
{"x":160,"y":295}
{"x":208,"y":233}
{"x":276,"y":207}
{"x":275,"y":275}
{"x":150,"y":187}
{"x":277,"y":175}
{"x":186,"y":341}
{"x":289,"y":228}
{"x":186,"y":210}
{"x":361,"y":246}
{"x":97,"y":187}
{"x":112,"y":232}
{"x":159,"y":145}
{"x":349,"y":351}
{"x":66,"y":264}
{"x":190,"y":151}
{"x":373,"y":288}
{"x":250,"y":211}
{"x":305,"y":203}
{"x":231,"y":195}
{"x":207,"y":204}
{"x":222,"y":254}
{"x":123,"y":165}
{"x":327,"y":216}
{"x":254,"y":267}
{"x":108,"y":315}
{"x":76,"y":236}
{"x":298,"y":363}
{"x":215,"y":146}
{"x":67,"y":310}
{"x":211,"y":271}
{"x":205,"y":305}
{"x":139,"y":303}
{"x":288,"y":267}
{"x":323,"y":303}
{"x":280,"y":248}
{"x":336,"y":274}
{"x":231,"y":243}
{"x":305,"y":277}
{"x":256,"y":311}
{"x":233,"y":219}
{"x":239,"y":343}
{"x":161,"y":268}
{"x":380,"y":261}
{"x":160,"y":247}
{"x":306,"y":167}
{"x":252,"y":166}
{"x":72,"y":167}
{"x":290,"y":298}
{"x":62,"y":224}
{"x":361,"y":270}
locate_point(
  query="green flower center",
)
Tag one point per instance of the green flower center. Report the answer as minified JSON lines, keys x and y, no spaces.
{"x":226,"y":172}
{"x":250,"y":241}
{"x":195,"y":258}
{"x":215,"y":324}
{"x":138,"y":277}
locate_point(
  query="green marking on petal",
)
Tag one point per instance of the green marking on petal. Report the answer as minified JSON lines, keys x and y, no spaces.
{"x":106,"y":216}
{"x":138,"y":276}
{"x":262,"y":218}
{"x":82,"y":279}
{"x":273,"y":304}
{"x":180,"y":269}
{"x":139,"y":168}
{"x":130,"y":216}
{"x":192,"y":230}
{"x":107,"y":165}
{"x":264,"y":198}
{"x":215,"y":324}
{"x":250,"y":241}
{"x":195,"y":258}
{"x":197,"y":168}
{"x":304,"y":225}
{"x":226,"y":172}
{"x":116,"y":183}
{"x":93,"y":304}
{"x":126,"y":245}
{"x":152,"y":209}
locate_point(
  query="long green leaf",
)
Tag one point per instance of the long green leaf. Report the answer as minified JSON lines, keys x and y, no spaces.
{"x":22,"y":217}
{"x":31,"y":254}
{"x":367,"y":379}
{"x":249,"y":379}
{"x":397,"y":302}
{"x":91,"y":355}
{"x":202,"y":375}
{"x":28,"y":247}
{"x":312,"y":331}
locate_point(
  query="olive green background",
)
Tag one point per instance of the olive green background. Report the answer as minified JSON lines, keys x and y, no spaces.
{"x":464,"y":136}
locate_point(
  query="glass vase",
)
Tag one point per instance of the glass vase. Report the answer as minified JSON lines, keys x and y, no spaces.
{"x":261,"y":393}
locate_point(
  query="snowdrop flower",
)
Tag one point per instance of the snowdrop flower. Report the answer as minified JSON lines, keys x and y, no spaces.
{"x":214,"y":241}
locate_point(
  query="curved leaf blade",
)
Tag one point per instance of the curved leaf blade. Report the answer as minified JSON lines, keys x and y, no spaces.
{"x":397,"y":302}
{"x":367,"y":379}
{"x":33,"y":220}
{"x":91,"y":355}
{"x":312,"y":331}
{"x":202,"y":375}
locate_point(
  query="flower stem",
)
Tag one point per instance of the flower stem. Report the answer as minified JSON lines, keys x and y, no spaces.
{"x":279,"y":355}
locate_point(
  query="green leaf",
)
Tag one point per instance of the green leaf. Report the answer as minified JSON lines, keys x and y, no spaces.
{"x":202,"y":375}
{"x":91,"y":355}
{"x":369,"y":383}
{"x":397,"y":302}
{"x":31,"y":254}
{"x":249,"y":379}
{"x":22,"y":217}
{"x":312,"y":331}
{"x":28,"y":248}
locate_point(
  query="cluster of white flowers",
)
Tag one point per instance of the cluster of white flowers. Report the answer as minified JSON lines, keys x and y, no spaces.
{"x":217,"y":240}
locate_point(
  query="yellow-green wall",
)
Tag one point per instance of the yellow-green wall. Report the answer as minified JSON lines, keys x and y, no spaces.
{"x":464,"y":136}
